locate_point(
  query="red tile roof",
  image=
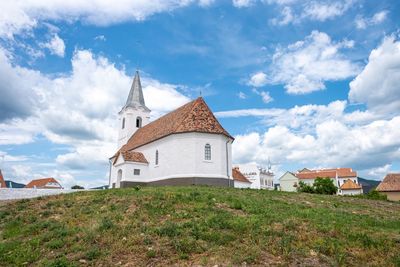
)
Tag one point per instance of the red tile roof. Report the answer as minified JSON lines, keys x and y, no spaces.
{"x":350,"y":185}
{"x":238,"y":176}
{"x":194,"y":116}
{"x":132,"y":156}
{"x":391,"y":183}
{"x":331,"y":173}
{"x":41,"y":183}
{"x":2,"y":182}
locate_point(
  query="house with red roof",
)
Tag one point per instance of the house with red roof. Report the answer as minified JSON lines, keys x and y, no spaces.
{"x":44,"y":183}
{"x":186,"y":146}
{"x":390,"y":186}
{"x":345,"y":179}
{"x":2,"y":182}
{"x":239,"y":180}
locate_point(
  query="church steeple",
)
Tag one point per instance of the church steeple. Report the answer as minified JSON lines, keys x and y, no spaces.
{"x":135,"y":97}
{"x":134,"y":114}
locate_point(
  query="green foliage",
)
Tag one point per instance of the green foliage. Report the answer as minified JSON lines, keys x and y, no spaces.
{"x":305,"y":188}
{"x":198,"y":226}
{"x":373,"y":194}
{"x":77,"y":187}
{"x":323,"y":186}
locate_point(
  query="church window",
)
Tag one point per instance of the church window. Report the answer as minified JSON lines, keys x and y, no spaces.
{"x":136,"y":172}
{"x":207,"y":152}
{"x":123,"y":123}
{"x":138,"y":122}
{"x":156,"y":157}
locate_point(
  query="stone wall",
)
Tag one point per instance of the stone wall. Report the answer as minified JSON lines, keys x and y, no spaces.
{"x":23,"y":193}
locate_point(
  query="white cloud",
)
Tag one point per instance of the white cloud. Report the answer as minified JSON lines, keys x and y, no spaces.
{"x":56,"y":46}
{"x":258,"y":79}
{"x":242,"y":3}
{"x":332,"y":144}
{"x":304,"y":66}
{"x":378,"y":84}
{"x":100,"y":38}
{"x":265,"y":96}
{"x":242,"y":95}
{"x":322,"y":11}
{"x":377,"y":18}
{"x":287,"y":17}
{"x":78,"y":109}
{"x":19,"y":15}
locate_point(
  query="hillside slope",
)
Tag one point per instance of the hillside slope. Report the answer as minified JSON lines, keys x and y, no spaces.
{"x":198,"y":226}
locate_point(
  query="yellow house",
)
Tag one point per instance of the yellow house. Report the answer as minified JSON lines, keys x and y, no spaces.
{"x":390,"y":186}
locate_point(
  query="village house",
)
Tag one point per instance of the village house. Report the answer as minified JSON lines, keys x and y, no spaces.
{"x":288,"y":182}
{"x":2,"y":182}
{"x":344,"y":178}
{"x":239,"y":180}
{"x":186,"y":146}
{"x":390,"y":186}
{"x":259,"y":177}
{"x":44,"y":183}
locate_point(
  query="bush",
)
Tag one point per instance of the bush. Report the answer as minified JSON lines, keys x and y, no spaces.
{"x":373,"y":194}
{"x":305,"y":188}
{"x":323,"y":186}
{"x":77,"y":187}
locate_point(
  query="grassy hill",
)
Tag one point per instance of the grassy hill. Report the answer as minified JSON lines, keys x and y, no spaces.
{"x":198,"y":226}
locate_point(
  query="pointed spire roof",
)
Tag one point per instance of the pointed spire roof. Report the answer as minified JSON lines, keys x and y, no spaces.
{"x":135,"y":97}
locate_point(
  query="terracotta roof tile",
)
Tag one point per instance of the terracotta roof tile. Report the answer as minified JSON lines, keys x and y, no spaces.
{"x":391,"y":183}
{"x":41,"y":183}
{"x":194,"y":116}
{"x":238,"y":176}
{"x":313,"y":174}
{"x":350,"y":185}
{"x":132,"y":156}
{"x":2,"y":182}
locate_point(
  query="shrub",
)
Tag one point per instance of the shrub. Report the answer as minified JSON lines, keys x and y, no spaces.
{"x":373,"y":194}
{"x":77,"y":187}
{"x":324,"y":186}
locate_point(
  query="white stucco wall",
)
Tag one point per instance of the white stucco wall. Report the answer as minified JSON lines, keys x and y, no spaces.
{"x":238,"y":184}
{"x":130,"y":128}
{"x":350,"y":192}
{"x":252,"y":173}
{"x":287,"y":182}
{"x":340,"y":181}
{"x":180,"y":156}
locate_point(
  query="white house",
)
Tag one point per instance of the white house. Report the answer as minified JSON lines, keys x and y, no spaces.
{"x":288,"y":182}
{"x":239,"y":180}
{"x":340,"y":176}
{"x":260,"y":178}
{"x":186,"y":146}
{"x":350,"y":188}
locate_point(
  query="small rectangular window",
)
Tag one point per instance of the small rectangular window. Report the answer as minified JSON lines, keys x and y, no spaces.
{"x":136,"y":172}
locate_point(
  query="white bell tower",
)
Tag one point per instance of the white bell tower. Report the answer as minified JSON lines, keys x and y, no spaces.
{"x":134,"y":114}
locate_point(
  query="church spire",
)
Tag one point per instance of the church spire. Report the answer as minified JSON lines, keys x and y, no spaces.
{"x":135,"y":97}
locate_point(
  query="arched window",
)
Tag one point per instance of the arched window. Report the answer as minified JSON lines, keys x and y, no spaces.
{"x":123,"y":123}
{"x":207,"y":152}
{"x":156,"y":157}
{"x":138,"y":122}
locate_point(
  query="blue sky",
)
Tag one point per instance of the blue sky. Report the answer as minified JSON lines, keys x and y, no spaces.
{"x":304,"y":83}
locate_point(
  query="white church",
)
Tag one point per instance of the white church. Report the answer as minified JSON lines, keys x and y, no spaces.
{"x":187,"y":146}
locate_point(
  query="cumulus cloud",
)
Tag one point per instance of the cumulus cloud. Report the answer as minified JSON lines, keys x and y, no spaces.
{"x":378,"y":83}
{"x":77,"y":109}
{"x":265,"y":96}
{"x":304,"y":66}
{"x":377,"y":18}
{"x":258,"y":79}
{"x":242,"y":3}
{"x":322,"y":11}
{"x":19,"y":16}
{"x":56,"y":46}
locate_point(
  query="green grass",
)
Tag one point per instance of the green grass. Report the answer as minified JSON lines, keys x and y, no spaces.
{"x":198,"y":226}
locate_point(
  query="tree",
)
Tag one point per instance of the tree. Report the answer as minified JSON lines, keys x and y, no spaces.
{"x":77,"y":187}
{"x":324,"y":186}
{"x":305,"y":188}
